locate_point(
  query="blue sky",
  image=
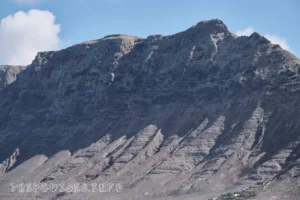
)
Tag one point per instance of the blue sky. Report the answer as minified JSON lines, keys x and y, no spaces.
{"x":82,"y":20}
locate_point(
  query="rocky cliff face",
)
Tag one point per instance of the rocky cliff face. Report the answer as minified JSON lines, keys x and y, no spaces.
{"x":201,"y":112}
{"x":8,"y":74}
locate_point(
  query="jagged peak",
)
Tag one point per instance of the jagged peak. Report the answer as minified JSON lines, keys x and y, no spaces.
{"x":212,"y":21}
{"x":118,"y":36}
{"x":212,"y":25}
{"x":206,"y":27}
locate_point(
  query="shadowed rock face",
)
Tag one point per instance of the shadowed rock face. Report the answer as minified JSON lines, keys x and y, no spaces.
{"x":199,"y":111}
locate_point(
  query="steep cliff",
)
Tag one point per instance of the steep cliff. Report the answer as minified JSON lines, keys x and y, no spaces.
{"x":199,"y":113}
{"x":8,"y":74}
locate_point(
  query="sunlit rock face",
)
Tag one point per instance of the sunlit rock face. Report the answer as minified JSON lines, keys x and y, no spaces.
{"x":8,"y":74}
{"x":199,"y":113}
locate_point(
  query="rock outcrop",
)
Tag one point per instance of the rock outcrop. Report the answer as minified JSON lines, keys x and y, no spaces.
{"x":199,"y":113}
{"x":8,"y":74}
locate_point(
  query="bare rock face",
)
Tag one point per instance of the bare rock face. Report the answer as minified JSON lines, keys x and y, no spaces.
{"x":8,"y":74}
{"x":188,"y":116}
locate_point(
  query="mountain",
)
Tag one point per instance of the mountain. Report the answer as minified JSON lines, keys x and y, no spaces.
{"x":192,"y":115}
{"x":8,"y":74}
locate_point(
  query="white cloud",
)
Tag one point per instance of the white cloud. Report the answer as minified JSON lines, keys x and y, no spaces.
{"x":27,"y":1}
{"x":275,"y":39}
{"x":22,"y":35}
{"x":246,"y":32}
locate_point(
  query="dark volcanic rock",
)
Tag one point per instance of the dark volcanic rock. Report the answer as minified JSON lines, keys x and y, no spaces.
{"x":199,"y":111}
